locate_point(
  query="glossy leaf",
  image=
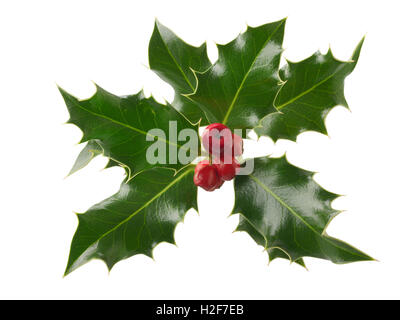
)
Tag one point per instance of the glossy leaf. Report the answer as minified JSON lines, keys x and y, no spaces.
{"x":280,"y":206}
{"x":174,"y":61}
{"x":90,"y":151}
{"x":111,"y":163}
{"x":290,"y":211}
{"x":143,"y":213}
{"x":239,"y":89}
{"x":120,"y":126}
{"x":312,"y":88}
{"x":273,"y":253}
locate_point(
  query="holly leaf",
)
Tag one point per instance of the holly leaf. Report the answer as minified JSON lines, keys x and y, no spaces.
{"x":90,"y":151}
{"x":290,"y":211}
{"x":121,"y":125}
{"x":173,"y":60}
{"x":280,"y":206}
{"x":311,"y":88}
{"x":143,"y":213}
{"x":111,"y":163}
{"x":273,"y":253}
{"x":239,"y":89}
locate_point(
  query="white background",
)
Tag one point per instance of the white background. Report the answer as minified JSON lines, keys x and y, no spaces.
{"x":72,"y":43}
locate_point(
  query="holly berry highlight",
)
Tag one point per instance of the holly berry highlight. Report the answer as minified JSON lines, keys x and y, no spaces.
{"x":223,"y":146}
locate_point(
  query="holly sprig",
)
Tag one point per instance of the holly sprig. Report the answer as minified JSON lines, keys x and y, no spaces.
{"x":280,"y":206}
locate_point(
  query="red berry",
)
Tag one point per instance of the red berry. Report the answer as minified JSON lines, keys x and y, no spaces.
{"x":206,"y":176}
{"x":219,"y":183}
{"x":216,"y":138}
{"x":237,"y":148}
{"x":201,"y":164}
{"x":227,"y":171}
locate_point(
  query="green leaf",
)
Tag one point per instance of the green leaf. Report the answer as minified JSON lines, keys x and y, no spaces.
{"x":311,"y":89}
{"x":111,"y":163}
{"x":90,"y":151}
{"x":120,"y":125}
{"x":290,"y":211}
{"x":279,"y":205}
{"x":239,"y":89}
{"x":190,"y":110}
{"x":273,"y":253}
{"x":143,"y":213}
{"x":174,"y":61}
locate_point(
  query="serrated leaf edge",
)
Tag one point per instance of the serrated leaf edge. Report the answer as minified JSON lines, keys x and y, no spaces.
{"x":226,"y":117}
{"x":189,"y":168}
{"x":248,"y":72}
{"x":156,"y":27}
{"x":130,"y":174}
{"x":299,"y":96}
{"x":322,"y":234}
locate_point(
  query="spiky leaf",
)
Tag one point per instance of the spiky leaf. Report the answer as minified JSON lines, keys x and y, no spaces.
{"x":143,"y":213}
{"x":120,"y":126}
{"x":273,"y":253}
{"x":239,"y":89}
{"x":280,"y":206}
{"x":290,"y":211}
{"x":91,"y":150}
{"x":312,"y":88}
{"x":174,"y":61}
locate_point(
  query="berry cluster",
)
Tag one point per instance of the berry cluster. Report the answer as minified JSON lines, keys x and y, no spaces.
{"x":223,"y":146}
